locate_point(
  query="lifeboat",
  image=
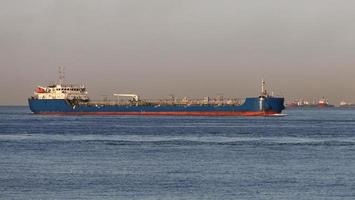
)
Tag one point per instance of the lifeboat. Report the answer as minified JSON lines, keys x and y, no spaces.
{"x":40,"y":90}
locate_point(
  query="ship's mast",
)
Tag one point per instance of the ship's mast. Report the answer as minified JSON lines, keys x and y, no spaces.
{"x":263,"y":88}
{"x":61,"y":75}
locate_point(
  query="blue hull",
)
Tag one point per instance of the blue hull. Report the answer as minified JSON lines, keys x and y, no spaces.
{"x":252,"y":106}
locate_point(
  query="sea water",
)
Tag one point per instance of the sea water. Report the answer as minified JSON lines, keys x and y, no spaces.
{"x":308,"y":154}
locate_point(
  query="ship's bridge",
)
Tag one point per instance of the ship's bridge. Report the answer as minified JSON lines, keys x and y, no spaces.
{"x":61,"y":91}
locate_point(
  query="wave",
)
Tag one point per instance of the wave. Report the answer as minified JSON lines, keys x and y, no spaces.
{"x":180,"y":140}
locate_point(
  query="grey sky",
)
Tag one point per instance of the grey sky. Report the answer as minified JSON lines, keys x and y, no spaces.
{"x":195,"y":48}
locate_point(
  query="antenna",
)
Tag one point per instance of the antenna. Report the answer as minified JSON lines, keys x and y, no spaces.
{"x":61,"y":75}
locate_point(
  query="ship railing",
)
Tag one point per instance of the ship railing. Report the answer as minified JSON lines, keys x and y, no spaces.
{"x":161,"y":102}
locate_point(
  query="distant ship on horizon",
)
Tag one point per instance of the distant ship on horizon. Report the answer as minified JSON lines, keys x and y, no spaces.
{"x":344,"y":104}
{"x":322,"y":103}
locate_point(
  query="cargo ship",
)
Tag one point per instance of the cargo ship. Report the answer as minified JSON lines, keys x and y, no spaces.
{"x":68,"y":99}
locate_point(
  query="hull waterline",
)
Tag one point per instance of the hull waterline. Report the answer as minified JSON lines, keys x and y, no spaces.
{"x":165,"y":113}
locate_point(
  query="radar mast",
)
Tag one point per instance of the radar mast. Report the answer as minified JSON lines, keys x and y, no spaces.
{"x":263,"y":88}
{"x":61,"y":75}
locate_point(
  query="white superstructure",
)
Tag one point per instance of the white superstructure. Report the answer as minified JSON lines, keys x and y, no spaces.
{"x":61,"y":91}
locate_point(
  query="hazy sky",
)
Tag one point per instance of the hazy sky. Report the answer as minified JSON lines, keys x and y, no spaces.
{"x":195,"y":48}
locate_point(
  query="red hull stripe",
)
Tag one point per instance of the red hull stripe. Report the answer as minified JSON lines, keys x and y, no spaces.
{"x":165,"y":113}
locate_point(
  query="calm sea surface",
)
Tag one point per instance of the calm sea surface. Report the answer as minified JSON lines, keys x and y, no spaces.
{"x":309,"y":154}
